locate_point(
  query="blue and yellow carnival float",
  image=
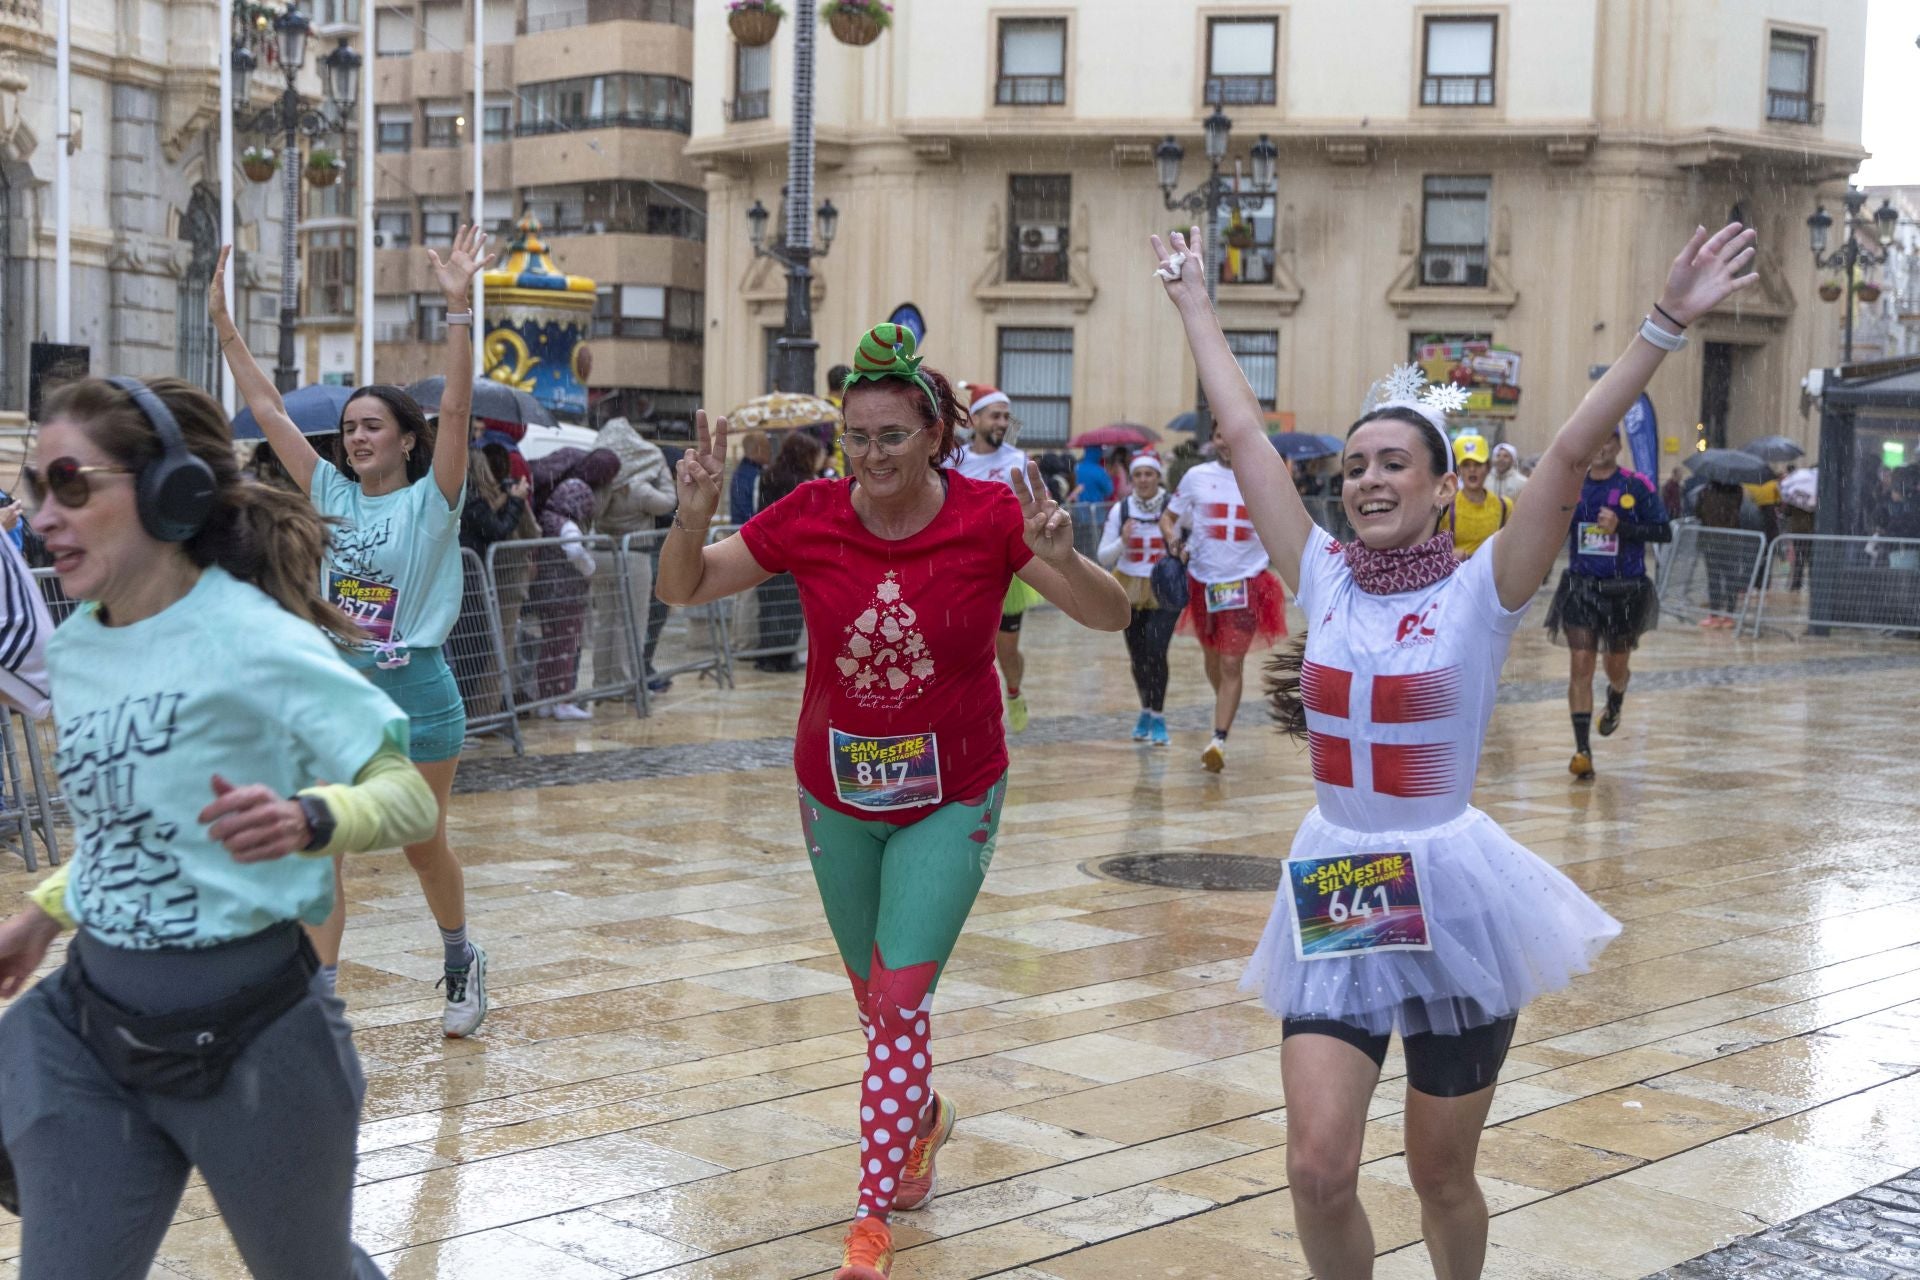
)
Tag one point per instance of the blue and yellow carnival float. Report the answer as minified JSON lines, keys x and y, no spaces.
{"x":538,"y":320}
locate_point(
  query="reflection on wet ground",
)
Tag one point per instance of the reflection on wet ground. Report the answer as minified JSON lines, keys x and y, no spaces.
{"x":665,"y":1086}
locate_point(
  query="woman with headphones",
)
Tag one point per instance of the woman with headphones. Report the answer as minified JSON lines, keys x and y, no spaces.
{"x":396,"y":490}
{"x":198,"y":698}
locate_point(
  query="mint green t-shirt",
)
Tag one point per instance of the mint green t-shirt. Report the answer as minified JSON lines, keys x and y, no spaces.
{"x":222,"y":681}
{"x":393,"y":563}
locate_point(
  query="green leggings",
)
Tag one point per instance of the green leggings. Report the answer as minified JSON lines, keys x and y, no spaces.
{"x":897,"y":897}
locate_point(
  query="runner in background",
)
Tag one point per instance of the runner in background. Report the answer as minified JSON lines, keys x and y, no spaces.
{"x":397,"y":489}
{"x":1234,"y":604}
{"x":988,"y":456}
{"x":1505,"y":481}
{"x":1606,"y":601}
{"x":1131,"y":546}
{"x":1404,"y":907}
{"x":900,"y":755}
{"x":1477,"y":514}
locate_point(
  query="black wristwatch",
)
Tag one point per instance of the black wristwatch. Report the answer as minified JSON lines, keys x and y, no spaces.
{"x":319,"y":821}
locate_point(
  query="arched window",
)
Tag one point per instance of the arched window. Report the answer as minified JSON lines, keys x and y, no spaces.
{"x":198,"y":353}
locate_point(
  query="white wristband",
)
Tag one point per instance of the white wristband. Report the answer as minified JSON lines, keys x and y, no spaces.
{"x":1660,"y":337}
{"x":459,"y":317}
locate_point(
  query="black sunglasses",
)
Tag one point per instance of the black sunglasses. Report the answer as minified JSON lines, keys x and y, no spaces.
{"x":66,"y":479}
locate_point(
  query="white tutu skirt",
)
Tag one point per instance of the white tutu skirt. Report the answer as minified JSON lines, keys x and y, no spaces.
{"x":1505,"y":927}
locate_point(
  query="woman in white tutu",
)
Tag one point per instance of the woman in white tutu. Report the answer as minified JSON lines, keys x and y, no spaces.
{"x":1404,"y":907}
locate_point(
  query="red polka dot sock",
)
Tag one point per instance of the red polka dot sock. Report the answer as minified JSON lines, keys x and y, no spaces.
{"x":895,"y":1089}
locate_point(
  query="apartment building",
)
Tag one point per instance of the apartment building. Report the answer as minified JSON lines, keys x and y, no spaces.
{"x":587,"y":109}
{"x":1449,"y":177}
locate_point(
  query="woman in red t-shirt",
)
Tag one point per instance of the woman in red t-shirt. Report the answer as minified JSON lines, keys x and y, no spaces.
{"x":902,"y":761}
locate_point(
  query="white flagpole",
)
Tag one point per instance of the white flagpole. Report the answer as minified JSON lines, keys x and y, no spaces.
{"x":476,"y":132}
{"x":369,"y":298}
{"x":223,"y":49}
{"x":63,"y":175}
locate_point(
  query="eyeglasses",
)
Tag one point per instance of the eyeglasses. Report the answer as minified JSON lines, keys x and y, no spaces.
{"x":65,"y":479}
{"x":857,"y":443}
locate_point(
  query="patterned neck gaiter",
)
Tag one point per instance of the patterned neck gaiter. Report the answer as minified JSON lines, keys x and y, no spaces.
{"x":1398,"y":569}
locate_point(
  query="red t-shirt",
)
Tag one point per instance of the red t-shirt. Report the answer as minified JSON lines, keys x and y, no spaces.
{"x":902,"y":705}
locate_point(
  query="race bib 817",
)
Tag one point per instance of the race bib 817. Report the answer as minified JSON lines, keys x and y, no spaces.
{"x":901,"y":772}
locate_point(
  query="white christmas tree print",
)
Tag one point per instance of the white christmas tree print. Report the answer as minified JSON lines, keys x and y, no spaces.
{"x":883,"y":648}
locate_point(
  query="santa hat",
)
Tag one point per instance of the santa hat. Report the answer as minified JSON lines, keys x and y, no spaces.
{"x":985,"y":397}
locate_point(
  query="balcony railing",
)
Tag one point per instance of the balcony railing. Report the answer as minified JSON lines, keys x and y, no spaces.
{"x":1457,"y":91}
{"x":1794,"y":108}
{"x":754,"y":104}
{"x":1031,"y":91}
{"x":1454,"y":266}
{"x":617,"y":120}
{"x":557,"y":19}
{"x":1240,"y":91}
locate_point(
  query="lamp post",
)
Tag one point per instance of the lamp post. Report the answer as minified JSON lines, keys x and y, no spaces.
{"x":1206,"y":200}
{"x":1849,"y":255}
{"x":793,"y":248}
{"x":289,"y":117}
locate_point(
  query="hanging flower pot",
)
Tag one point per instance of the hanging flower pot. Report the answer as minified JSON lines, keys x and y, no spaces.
{"x":1867,"y":291}
{"x":1830,"y":291}
{"x":258,"y":164}
{"x":1239,"y":234}
{"x":754,"y":22}
{"x":323,"y":168}
{"x":858,"y":22}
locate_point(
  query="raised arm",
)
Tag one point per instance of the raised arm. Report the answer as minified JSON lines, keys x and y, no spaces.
{"x":1706,"y":273}
{"x":1279,"y":517}
{"x":692,"y":571}
{"x":256,"y":388}
{"x":450,"y":445}
{"x":1072,"y":583}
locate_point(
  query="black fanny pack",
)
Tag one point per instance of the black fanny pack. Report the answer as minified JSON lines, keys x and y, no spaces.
{"x":1614,"y":588}
{"x":186,"y":1053}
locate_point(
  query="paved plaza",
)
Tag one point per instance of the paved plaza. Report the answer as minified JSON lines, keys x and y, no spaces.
{"x":666,"y":1084}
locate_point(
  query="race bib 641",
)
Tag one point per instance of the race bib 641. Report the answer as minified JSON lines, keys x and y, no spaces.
{"x":1353,"y":903}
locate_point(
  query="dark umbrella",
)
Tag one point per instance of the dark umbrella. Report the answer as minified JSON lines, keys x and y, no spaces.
{"x":1729,"y":466}
{"x":491,"y":399}
{"x":1188,"y":422}
{"x":315,"y":410}
{"x":1304,"y":446}
{"x":1131,"y":434}
{"x":1773,"y":449}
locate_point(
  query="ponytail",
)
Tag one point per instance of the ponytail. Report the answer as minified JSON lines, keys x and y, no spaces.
{"x":1284,"y":703}
{"x":276,"y":541}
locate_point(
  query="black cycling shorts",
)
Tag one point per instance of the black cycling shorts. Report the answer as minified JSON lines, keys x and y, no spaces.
{"x":1010,"y":623}
{"x":1439,"y":1066}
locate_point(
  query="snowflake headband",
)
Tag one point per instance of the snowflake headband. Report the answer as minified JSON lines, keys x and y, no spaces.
{"x":1407,"y":388}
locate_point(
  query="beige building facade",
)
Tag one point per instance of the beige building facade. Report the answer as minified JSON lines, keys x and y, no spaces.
{"x":1515,"y":174}
{"x":145,"y":187}
{"x":588,"y":104}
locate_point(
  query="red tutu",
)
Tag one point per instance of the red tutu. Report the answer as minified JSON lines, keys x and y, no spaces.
{"x":1236,"y":631}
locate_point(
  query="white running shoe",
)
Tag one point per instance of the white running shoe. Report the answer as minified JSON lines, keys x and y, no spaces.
{"x":466,"y":997}
{"x":572,"y":711}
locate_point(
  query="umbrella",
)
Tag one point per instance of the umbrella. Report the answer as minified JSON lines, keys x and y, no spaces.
{"x":315,"y":410}
{"x":1773,"y":449}
{"x":1131,"y":434}
{"x":491,"y":399}
{"x":1188,"y":422}
{"x":1302,"y":446}
{"x":1729,"y":466}
{"x":780,"y":410}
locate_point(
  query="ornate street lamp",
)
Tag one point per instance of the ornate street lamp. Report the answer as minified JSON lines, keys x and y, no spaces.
{"x":1850,"y":256}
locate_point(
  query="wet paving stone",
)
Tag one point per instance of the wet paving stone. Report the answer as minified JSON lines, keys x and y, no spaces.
{"x":1874,"y":1235}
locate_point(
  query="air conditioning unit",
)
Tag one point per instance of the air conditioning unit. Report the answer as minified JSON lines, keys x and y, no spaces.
{"x":1039,"y":237}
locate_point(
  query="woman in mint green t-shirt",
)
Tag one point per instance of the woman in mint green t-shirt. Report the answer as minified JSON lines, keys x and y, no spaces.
{"x":396,"y":489}
{"x":198,"y":699}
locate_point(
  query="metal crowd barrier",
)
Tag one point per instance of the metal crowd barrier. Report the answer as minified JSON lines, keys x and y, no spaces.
{"x":29,"y":790}
{"x":1713,"y":573}
{"x":476,"y":649}
{"x":765,"y":622}
{"x":573,"y":639}
{"x":677,"y":642}
{"x":1814,"y":581}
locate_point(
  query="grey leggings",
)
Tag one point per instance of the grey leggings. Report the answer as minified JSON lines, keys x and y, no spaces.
{"x":101,"y":1169}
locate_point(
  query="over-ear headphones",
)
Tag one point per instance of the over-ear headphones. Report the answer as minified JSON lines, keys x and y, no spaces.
{"x":175,"y":491}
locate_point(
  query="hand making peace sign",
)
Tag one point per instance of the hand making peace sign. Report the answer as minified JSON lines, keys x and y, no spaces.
{"x":701,"y":473}
{"x":1049,"y":527}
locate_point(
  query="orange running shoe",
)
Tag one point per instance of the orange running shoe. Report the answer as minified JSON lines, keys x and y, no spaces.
{"x":916,"y":1178}
{"x":869,"y":1251}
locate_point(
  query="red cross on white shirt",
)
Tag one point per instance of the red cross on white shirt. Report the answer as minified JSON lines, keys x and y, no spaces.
{"x":1226,"y":522}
